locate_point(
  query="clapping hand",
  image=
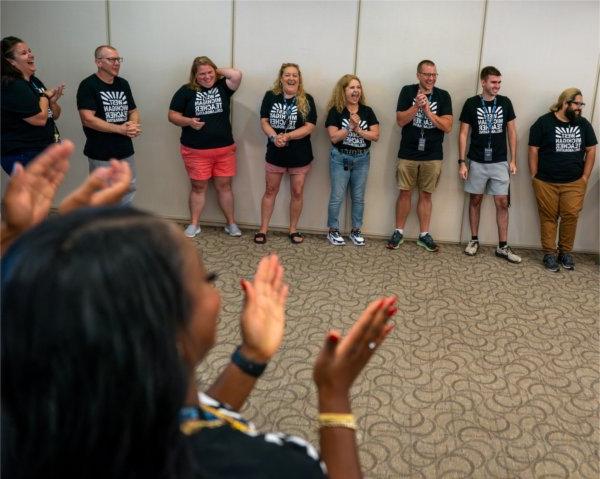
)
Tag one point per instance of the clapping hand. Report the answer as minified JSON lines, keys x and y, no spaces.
{"x":55,"y":93}
{"x":263,"y":316}
{"x":197,"y":124}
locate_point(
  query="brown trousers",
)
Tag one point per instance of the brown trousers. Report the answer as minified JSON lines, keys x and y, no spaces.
{"x":554,"y":201}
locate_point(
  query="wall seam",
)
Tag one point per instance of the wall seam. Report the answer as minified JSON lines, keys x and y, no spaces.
{"x":482,"y":42}
{"x":595,"y":90}
{"x":232,"y":53}
{"x":108,"y":32}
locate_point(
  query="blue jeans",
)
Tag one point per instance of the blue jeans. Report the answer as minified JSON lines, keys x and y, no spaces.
{"x":356,"y":172}
{"x":128,"y":198}
{"x":23,"y":157}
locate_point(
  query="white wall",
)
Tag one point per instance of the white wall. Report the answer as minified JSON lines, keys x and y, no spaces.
{"x":538,"y":52}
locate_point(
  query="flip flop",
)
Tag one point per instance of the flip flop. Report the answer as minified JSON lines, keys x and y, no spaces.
{"x":260,"y":238}
{"x":296,"y":237}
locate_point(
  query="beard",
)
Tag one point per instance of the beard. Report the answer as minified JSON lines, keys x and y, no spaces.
{"x":572,"y":115}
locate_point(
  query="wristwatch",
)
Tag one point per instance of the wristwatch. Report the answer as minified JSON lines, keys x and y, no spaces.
{"x":249,"y":367}
{"x":272,"y":138}
{"x":461,"y":161}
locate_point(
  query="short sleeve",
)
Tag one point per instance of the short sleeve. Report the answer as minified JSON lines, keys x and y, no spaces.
{"x":265,"y":107}
{"x":536,"y":133}
{"x":446,"y":106}
{"x":20,"y":99}
{"x":179,"y":101}
{"x":405,"y":99}
{"x":228,"y":91}
{"x":333,"y":118}
{"x":371,"y":118}
{"x":590,"y":136}
{"x":130,"y":100}
{"x":312,"y":114}
{"x":465,"y":114}
{"x":86,"y":99}
{"x":510,"y":112}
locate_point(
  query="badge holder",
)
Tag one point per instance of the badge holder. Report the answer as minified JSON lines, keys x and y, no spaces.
{"x":487,"y":154}
{"x":421,"y":146}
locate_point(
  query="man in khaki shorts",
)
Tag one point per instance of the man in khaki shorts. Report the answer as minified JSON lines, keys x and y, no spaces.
{"x":425,"y":113}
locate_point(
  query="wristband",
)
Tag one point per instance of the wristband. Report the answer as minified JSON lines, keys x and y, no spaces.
{"x":272,"y":138}
{"x":331,"y":419}
{"x":461,"y":161}
{"x":249,"y":367}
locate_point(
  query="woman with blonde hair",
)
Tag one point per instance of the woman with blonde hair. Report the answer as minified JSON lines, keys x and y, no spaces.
{"x":202,"y":109}
{"x":287,"y":116}
{"x":352,"y":126}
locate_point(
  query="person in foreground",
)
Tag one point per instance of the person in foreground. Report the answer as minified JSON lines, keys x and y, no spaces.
{"x":562,"y":151}
{"x":98,"y":376}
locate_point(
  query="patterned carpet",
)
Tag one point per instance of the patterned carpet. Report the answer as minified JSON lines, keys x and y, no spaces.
{"x":492,"y":370}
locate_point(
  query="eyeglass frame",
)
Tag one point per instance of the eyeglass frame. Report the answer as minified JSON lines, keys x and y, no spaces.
{"x":112,"y":60}
{"x":429,"y":75}
{"x":580,"y":104}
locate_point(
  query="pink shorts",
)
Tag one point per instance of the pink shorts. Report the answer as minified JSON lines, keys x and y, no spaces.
{"x":204,"y":164}
{"x":300,"y":170}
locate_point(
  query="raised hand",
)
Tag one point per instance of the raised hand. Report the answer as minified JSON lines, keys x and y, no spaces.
{"x":263,"y":316}
{"x":104,"y":186}
{"x":343,"y":358}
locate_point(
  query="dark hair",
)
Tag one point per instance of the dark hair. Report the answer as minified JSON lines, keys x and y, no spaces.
{"x":92,"y":381}
{"x":424,"y":62}
{"x":9,"y":72}
{"x":489,"y":71}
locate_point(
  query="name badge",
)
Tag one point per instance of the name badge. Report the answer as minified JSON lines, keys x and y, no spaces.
{"x":421,"y":146}
{"x":487,"y":154}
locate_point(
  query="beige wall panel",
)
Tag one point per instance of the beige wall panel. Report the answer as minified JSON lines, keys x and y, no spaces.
{"x":394,"y":37}
{"x":266,"y":35}
{"x":159,"y":41}
{"x":528,"y":42}
{"x":62,"y":36}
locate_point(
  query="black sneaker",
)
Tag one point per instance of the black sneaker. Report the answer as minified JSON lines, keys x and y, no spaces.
{"x":396,"y":240}
{"x":427,"y":242}
{"x":566,"y":261}
{"x":550,"y":263}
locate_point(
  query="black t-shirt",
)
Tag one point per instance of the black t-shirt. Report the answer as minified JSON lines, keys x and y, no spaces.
{"x":211,"y":105}
{"x":284,"y":117}
{"x":561,"y":147}
{"x":222,"y":445}
{"x":112,"y":103}
{"x":479,"y":119}
{"x":440,"y":104}
{"x":21,"y":99}
{"x":341,"y":120}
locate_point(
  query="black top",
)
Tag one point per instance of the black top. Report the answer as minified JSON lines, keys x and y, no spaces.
{"x":341,"y":120}
{"x":211,"y":105}
{"x":283,"y":117}
{"x":440,"y":104}
{"x":562,"y":146}
{"x":222,"y":445}
{"x":21,"y":99}
{"x":479,"y":119}
{"x":112,"y":103}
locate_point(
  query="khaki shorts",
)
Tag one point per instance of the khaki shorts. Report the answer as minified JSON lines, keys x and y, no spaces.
{"x":424,"y":175}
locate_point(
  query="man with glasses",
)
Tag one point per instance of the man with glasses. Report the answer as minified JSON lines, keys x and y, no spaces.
{"x":109,"y":115}
{"x":425,"y":113}
{"x":562,"y":151}
{"x":490,"y":117}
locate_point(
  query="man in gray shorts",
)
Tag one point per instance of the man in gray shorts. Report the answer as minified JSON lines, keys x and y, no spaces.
{"x":490,"y":117}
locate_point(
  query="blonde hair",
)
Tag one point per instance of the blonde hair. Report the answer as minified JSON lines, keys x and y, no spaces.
{"x":198,"y":61}
{"x":567,"y":95}
{"x":301,"y":100}
{"x":338,"y":96}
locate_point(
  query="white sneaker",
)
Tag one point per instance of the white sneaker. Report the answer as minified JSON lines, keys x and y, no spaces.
{"x":233,"y":230}
{"x":506,"y":253}
{"x":472,"y":248}
{"x":357,"y":238}
{"x":192,"y":230}
{"x":335,"y":238}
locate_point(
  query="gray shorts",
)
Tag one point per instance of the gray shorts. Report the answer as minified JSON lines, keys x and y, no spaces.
{"x":488,"y":178}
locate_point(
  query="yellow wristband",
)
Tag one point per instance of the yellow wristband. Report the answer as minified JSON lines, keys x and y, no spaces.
{"x":337,"y":420}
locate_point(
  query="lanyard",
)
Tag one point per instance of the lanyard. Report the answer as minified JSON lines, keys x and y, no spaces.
{"x":423,"y":116}
{"x":489,"y":118}
{"x":287,"y":114}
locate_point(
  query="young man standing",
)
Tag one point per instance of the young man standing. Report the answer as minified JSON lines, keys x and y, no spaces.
{"x":109,"y":115}
{"x":490,"y":117}
{"x":562,"y":151}
{"x":425,"y":113}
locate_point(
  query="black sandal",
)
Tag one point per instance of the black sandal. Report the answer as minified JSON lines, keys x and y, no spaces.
{"x":296,"y":237}
{"x":260,"y":238}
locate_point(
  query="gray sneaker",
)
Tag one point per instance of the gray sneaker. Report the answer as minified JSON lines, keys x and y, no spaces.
{"x":427,"y":242}
{"x":472,"y":248}
{"x":506,"y":253}
{"x":566,"y":261}
{"x":550,"y":263}
{"x":192,"y":230}
{"x":233,"y":230}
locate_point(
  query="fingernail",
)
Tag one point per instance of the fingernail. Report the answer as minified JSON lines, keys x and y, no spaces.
{"x":391,"y":311}
{"x":333,"y":338}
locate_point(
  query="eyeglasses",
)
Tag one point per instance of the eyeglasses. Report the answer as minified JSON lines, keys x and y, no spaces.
{"x":113,"y":59}
{"x":211,"y":277}
{"x":429,"y":75}
{"x":579,"y":104}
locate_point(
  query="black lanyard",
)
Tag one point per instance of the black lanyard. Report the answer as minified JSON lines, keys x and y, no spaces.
{"x":424,"y":117}
{"x":287,"y":112}
{"x":489,"y":118}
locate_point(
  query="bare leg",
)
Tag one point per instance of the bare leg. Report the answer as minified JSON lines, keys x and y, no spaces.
{"x":474,"y":212}
{"x":403,"y":207}
{"x":501,"y":202}
{"x":424,"y":210}
{"x":197,"y":199}
{"x":296,"y":200}
{"x":225,"y":197}
{"x":272,"y":180}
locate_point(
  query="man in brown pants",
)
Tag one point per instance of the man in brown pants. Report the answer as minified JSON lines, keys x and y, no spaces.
{"x":562,"y":150}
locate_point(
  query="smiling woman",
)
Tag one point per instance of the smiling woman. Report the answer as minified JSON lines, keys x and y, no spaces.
{"x":28,"y":108}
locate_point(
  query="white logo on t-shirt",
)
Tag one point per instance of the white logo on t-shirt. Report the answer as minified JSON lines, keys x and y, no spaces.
{"x":208,"y":102}
{"x":115,"y":106}
{"x":421,"y":121}
{"x":483,"y":117}
{"x":354,"y":139}
{"x":42,"y":90}
{"x":282,"y":117}
{"x":568,"y":139}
